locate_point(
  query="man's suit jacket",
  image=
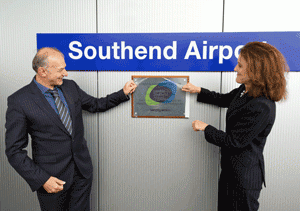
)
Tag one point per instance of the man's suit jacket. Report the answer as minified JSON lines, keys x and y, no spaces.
{"x":248,"y":123}
{"x":54,"y":151}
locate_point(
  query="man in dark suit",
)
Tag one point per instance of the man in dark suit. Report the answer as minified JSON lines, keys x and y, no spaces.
{"x":50,"y":110}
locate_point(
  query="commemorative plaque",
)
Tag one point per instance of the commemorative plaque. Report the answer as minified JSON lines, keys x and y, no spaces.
{"x":160,"y":97}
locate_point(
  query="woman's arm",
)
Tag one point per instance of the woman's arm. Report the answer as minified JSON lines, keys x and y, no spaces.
{"x":210,"y":97}
{"x":244,"y":127}
{"x":214,"y":98}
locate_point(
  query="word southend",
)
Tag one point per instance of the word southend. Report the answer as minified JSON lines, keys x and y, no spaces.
{"x":141,"y":52}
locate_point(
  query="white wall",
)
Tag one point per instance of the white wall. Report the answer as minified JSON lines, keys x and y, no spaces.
{"x":180,"y":170}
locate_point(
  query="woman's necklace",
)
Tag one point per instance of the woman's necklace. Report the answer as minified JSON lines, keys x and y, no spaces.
{"x":244,"y":92}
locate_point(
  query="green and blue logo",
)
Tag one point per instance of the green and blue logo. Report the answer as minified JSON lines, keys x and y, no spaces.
{"x":164,"y":92}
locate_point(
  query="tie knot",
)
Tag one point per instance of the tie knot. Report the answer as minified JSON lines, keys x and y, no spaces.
{"x":54,"y":92}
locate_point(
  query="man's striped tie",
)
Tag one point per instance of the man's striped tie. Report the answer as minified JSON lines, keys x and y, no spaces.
{"x":62,"y":110}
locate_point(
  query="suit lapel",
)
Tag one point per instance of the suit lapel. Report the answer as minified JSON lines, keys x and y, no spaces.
{"x":38,"y":97}
{"x":238,"y":102}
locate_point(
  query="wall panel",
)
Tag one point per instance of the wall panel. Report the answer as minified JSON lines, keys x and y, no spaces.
{"x":20,"y":21}
{"x":157,"y":164}
{"x":142,"y":16}
{"x":260,"y":16}
{"x":281,"y":159}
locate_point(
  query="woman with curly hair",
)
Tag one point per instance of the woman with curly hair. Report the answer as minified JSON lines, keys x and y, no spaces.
{"x":250,"y":117}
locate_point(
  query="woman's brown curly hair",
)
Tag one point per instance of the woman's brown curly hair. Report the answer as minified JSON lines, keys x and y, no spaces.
{"x":266,"y":68}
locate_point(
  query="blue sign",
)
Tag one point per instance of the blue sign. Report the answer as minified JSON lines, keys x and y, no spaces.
{"x":164,"y":51}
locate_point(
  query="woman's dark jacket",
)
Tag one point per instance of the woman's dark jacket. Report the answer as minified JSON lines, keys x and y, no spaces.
{"x":248,"y":123}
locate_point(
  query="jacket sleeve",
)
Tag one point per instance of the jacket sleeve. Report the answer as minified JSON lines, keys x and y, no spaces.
{"x":93,"y":104}
{"x":16,"y":139}
{"x":244,"y":129}
{"x":214,"y":98}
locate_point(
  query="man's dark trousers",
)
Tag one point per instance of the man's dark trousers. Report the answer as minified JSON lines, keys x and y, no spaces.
{"x":76,"y":198}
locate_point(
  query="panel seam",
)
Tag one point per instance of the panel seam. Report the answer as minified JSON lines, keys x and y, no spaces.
{"x":221,"y":79}
{"x":98,"y":122}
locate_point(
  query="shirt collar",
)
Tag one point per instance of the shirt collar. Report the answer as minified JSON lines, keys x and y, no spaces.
{"x":41,"y":87}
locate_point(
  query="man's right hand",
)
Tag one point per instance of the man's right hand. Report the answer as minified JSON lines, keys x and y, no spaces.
{"x":129,"y":87}
{"x":54,"y":185}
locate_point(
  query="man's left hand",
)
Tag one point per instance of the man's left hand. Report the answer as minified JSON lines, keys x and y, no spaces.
{"x":198,"y":125}
{"x":129,"y":87}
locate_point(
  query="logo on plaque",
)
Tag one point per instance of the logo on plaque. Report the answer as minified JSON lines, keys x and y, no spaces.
{"x":164,"y":92}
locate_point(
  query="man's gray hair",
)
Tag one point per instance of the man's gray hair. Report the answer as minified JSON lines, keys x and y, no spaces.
{"x":41,"y":58}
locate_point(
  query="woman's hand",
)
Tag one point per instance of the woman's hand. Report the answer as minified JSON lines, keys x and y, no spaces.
{"x":198,"y":125}
{"x":191,"y":88}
